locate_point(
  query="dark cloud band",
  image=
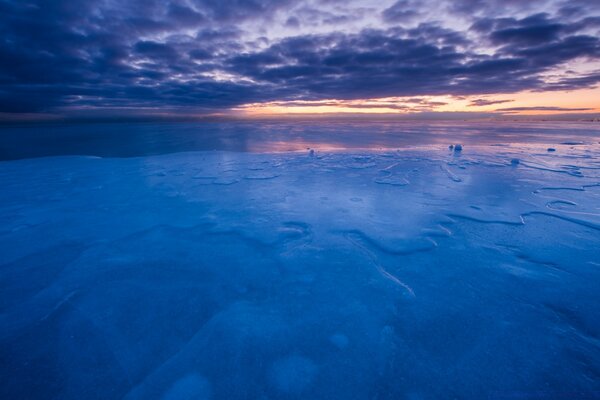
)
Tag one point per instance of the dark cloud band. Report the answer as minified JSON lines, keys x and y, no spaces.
{"x":176,"y":55}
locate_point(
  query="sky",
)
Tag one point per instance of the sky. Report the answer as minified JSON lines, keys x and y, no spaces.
{"x":106,"y":58}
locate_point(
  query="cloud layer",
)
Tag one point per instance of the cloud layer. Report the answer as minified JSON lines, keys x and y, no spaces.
{"x":208,"y":55}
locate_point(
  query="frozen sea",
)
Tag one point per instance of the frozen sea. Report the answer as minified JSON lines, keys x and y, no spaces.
{"x":316,"y":260}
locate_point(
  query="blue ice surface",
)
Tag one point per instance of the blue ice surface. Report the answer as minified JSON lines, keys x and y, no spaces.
{"x":359,"y":266}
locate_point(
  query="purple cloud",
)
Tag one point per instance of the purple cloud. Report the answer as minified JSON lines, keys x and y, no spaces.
{"x":60,"y":55}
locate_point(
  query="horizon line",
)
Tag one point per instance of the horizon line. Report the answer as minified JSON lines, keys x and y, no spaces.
{"x":12,"y":119}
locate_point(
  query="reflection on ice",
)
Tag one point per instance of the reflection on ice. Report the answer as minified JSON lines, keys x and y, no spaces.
{"x":420,"y":273}
{"x":129,"y":140}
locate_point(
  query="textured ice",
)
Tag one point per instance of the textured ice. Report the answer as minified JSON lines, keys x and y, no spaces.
{"x":419,"y":273}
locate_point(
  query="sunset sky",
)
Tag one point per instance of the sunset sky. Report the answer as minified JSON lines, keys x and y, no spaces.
{"x":272,"y":57}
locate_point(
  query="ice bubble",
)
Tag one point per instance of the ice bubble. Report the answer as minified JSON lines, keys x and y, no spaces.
{"x":292,"y":374}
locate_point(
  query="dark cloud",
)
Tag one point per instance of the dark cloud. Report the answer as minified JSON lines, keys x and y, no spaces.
{"x":312,"y":17}
{"x":379,"y":63}
{"x":292,"y":22}
{"x":529,"y":31}
{"x":496,"y":7}
{"x":212,"y":55}
{"x":486,"y":102}
{"x":540,"y":108}
{"x":236,"y":10}
{"x":575,"y":82}
{"x":401,"y":11}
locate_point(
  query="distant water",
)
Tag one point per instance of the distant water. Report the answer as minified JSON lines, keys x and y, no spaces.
{"x":142,"y":139}
{"x":205,"y":261}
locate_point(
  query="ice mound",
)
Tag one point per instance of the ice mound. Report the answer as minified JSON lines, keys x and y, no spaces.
{"x":418,"y":273}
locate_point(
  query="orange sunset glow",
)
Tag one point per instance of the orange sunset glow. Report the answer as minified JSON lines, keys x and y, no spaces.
{"x":525,"y":103}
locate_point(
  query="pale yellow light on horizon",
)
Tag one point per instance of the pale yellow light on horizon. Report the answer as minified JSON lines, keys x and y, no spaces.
{"x":576,"y":99}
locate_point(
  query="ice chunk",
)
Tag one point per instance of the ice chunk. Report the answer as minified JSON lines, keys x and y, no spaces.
{"x":572,"y":143}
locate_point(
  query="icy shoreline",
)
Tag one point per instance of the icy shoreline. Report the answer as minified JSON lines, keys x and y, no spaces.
{"x":421,"y":273}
